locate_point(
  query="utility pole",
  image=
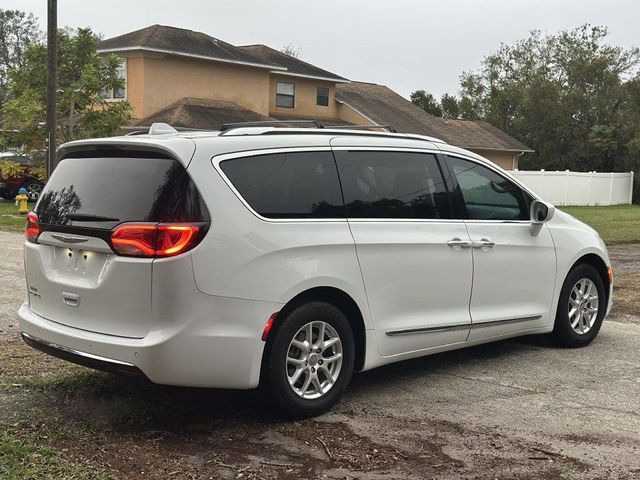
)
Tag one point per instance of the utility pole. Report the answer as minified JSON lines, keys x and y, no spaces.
{"x":52,"y":84}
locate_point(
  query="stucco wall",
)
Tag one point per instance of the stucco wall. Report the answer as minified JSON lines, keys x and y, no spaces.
{"x":157,"y":82}
{"x":305,"y":98}
{"x":501,"y":158}
{"x":135,"y":85}
{"x":348,"y":114}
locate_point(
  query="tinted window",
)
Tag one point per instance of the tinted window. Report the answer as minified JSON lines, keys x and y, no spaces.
{"x":119,"y":190}
{"x":392,"y":185}
{"x":323,"y":96}
{"x":486,"y":195}
{"x":288,"y":185}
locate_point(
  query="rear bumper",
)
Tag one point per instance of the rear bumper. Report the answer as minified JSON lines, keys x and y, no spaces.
{"x":222,"y":350}
{"x":81,"y":358}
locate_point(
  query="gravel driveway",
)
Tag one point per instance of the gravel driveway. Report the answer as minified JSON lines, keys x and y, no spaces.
{"x":515,"y":409}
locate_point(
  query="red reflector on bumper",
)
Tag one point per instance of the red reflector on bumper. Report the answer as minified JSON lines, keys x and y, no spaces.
{"x":268,"y":326}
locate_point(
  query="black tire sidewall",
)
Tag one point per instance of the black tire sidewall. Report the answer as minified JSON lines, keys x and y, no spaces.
{"x":285,"y":399}
{"x":562,"y":331}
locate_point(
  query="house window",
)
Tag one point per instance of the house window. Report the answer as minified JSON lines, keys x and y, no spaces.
{"x":323,"y":96}
{"x":285,"y":94}
{"x":114,"y":94}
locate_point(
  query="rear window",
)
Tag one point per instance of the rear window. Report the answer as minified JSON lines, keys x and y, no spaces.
{"x":288,"y":185}
{"x":103,"y":192}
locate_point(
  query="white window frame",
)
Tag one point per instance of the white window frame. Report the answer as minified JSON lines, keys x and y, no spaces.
{"x":293,"y":95}
{"x":109,"y":97}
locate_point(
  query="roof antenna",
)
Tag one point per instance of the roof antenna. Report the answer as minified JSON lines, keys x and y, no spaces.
{"x":159,"y":128}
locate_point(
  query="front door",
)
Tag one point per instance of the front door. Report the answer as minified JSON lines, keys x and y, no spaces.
{"x":514,"y":271}
{"x":416,"y":268}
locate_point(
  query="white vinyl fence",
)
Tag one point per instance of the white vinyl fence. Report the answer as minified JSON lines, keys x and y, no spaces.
{"x":579,"y":188}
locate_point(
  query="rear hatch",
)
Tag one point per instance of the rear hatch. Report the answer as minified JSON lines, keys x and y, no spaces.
{"x":73,"y":275}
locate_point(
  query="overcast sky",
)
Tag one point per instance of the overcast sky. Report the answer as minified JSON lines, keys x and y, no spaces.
{"x":404,"y":44}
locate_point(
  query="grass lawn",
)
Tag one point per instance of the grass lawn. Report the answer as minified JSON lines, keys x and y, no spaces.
{"x":10,"y":219}
{"x":617,"y":224}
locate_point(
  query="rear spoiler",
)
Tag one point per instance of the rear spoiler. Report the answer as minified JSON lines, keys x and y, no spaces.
{"x":181,"y":149}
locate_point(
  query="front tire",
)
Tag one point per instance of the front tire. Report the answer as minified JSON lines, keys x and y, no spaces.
{"x":581,"y":308}
{"x":310,"y":360}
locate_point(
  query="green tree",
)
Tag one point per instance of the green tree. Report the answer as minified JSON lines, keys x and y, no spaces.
{"x":83,"y":77}
{"x":450,"y":106}
{"x":18,"y":30}
{"x":571,"y":96}
{"x":564,"y":95}
{"x":427,"y":102}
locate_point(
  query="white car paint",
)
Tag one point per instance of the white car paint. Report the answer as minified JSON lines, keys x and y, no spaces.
{"x":197,"y":319}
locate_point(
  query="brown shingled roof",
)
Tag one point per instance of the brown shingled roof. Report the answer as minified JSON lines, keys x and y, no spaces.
{"x":182,"y":41}
{"x":202,"y":114}
{"x":293,"y":65}
{"x":385,"y":107}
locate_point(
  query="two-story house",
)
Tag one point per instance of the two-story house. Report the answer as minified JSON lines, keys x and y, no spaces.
{"x":192,"y":80}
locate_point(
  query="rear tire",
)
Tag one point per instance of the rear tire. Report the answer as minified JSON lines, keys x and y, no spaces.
{"x":581,"y":308}
{"x":306,"y":373}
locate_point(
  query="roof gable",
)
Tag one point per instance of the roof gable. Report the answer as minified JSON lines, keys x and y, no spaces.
{"x":179,"y":41}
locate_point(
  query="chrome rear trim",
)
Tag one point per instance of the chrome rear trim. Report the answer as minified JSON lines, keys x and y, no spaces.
{"x":62,"y":348}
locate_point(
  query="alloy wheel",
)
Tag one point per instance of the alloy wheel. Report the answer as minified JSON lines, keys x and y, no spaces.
{"x":583,"y":306}
{"x":314,"y":360}
{"x":34,"y":190}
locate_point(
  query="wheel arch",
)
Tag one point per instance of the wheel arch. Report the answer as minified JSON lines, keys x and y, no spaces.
{"x":336,"y":297}
{"x":597,"y":262}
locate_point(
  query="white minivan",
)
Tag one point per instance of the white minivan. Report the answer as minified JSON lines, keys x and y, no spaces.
{"x":288,"y":258}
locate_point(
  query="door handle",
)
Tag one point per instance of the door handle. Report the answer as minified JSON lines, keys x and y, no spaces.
{"x":457,"y":243}
{"x":483,"y":243}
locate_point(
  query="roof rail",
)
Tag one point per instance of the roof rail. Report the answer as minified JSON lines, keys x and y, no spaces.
{"x":312,"y":123}
{"x":389,"y":128}
{"x":269,"y":123}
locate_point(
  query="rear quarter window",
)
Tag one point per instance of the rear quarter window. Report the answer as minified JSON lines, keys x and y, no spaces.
{"x":288,"y":185}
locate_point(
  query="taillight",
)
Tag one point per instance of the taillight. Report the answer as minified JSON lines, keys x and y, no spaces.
{"x":156,"y":240}
{"x":33,"y":227}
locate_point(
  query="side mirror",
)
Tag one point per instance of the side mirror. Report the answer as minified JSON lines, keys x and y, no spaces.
{"x":540,"y":213}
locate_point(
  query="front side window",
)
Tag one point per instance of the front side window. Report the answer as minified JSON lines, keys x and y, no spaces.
{"x":288,"y":185}
{"x":285,"y":94}
{"x":392,"y":185}
{"x":323,"y":96}
{"x":483,"y":194}
{"x":121,"y":92}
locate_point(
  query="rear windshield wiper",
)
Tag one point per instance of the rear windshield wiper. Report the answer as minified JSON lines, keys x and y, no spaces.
{"x":89,"y":217}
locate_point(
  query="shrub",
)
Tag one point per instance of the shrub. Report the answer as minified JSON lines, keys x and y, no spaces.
{"x":10,"y":169}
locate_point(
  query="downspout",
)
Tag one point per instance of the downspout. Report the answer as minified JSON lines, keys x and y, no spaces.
{"x":513,"y":160}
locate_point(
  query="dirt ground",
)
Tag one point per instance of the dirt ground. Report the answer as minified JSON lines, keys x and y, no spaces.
{"x":516,"y":409}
